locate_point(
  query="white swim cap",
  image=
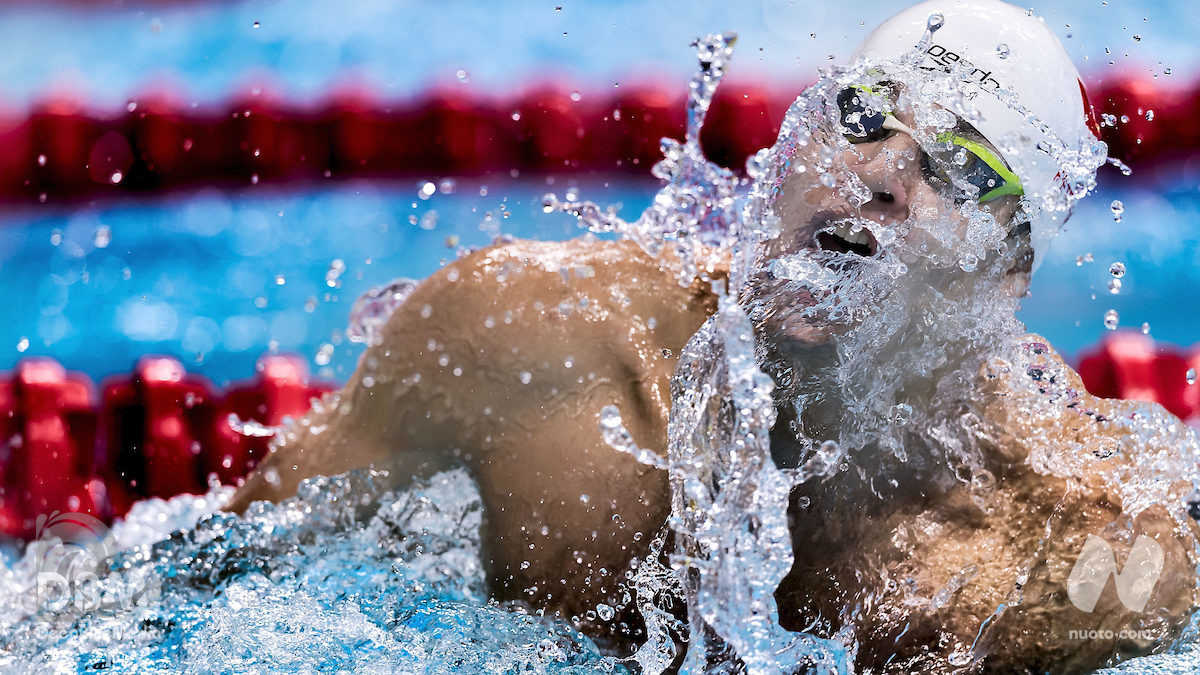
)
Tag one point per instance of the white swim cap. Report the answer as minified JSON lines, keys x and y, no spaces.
{"x":1016,"y":62}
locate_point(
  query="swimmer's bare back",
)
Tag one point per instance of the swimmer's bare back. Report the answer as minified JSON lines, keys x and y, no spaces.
{"x":502,"y":361}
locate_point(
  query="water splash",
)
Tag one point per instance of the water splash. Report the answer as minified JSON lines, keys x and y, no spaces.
{"x":373,"y":308}
{"x":249,"y":428}
{"x":694,"y":212}
{"x":345,"y":575}
{"x":835,"y":398}
{"x":729,"y":507}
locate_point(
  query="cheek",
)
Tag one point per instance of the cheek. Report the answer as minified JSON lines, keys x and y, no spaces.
{"x":935,"y":222}
{"x":1003,"y":209}
{"x":799,"y":201}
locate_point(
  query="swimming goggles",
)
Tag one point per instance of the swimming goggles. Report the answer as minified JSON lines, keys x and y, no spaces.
{"x":956,"y":157}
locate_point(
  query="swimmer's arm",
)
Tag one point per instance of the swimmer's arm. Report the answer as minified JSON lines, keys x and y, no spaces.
{"x":513,"y":342}
{"x":396,"y":403}
{"x":344,"y":432}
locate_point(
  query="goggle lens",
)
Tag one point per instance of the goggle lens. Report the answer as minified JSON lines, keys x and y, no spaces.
{"x":863,"y":121}
{"x":961,"y":160}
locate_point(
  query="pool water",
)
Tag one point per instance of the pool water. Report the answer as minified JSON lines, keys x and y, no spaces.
{"x":220,"y":278}
{"x":344,"y":576}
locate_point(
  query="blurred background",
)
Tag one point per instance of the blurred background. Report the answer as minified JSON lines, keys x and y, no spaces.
{"x":216,"y":182}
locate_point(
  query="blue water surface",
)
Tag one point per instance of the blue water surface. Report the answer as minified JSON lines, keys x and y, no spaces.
{"x":219,"y":278}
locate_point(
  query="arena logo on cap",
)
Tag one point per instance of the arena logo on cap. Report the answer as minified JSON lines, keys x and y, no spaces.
{"x":947,"y":59}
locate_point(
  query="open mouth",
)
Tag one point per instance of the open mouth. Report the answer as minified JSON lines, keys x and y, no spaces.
{"x":845,"y":237}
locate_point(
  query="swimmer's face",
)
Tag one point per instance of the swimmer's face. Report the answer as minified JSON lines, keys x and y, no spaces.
{"x":904,"y":184}
{"x":905,"y":201}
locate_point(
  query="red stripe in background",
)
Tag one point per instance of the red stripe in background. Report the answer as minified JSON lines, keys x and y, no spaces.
{"x":59,"y":151}
{"x":158,"y":432}
{"x":161,"y":431}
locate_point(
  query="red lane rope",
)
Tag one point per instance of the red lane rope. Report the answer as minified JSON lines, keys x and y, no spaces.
{"x":59,"y":151}
{"x":155,"y":433}
{"x":1130,"y":365}
{"x":162,"y":431}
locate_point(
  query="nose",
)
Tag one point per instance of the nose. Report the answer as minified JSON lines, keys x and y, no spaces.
{"x":891,"y":170}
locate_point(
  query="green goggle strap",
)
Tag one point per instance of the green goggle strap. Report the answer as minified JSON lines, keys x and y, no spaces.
{"x":1011,"y":184}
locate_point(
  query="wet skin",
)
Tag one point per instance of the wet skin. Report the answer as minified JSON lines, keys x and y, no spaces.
{"x":597,"y":323}
{"x":591,"y":324}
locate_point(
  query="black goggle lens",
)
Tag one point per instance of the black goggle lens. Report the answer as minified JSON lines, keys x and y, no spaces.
{"x":862,"y":121}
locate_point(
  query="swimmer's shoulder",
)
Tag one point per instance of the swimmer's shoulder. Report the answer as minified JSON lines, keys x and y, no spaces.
{"x":1040,"y":406}
{"x":521,"y":306}
{"x":602,"y":278}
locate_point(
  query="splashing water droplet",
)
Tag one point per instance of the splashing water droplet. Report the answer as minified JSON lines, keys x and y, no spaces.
{"x":1117,"y":269}
{"x":23,"y":344}
{"x":103,"y":237}
{"x":372,"y":310}
{"x":116,"y":177}
{"x":462,"y":75}
{"x":1002,"y":50}
{"x":1114,"y":286}
{"x":1111,"y":319}
{"x":1149,"y":115}
{"x":332,"y":275}
{"x":249,"y":428}
{"x":936,"y":21}
{"x":1146,"y":328}
{"x":1190,"y":376}
{"x":901,"y":413}
{"x":1118,"y":209}
{"x":605,"y":612}
{"x":526,"y":377}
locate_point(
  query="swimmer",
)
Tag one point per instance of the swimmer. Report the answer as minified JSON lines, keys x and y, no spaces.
{"x":951,"y":541}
